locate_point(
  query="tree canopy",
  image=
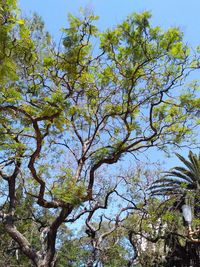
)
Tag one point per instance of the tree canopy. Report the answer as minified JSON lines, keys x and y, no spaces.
{"x":69,"y":113}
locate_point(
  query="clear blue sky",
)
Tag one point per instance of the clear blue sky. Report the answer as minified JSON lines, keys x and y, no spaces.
{"x":182,"y":13}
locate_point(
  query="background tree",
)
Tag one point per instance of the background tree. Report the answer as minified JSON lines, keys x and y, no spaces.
{"x":181,"y":185}
{"x":70,"y":111}
{"x":182,"y":182}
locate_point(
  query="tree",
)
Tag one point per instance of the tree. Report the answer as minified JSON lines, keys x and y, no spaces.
{"x":181,"y":184}
{"x":67,"y":112}
{"x":184,"y":182}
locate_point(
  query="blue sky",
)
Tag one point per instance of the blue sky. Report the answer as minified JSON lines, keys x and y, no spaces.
{"x":181,"y":13}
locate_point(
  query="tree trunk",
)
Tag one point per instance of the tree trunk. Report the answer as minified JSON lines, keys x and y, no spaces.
{"x":47,"y":262}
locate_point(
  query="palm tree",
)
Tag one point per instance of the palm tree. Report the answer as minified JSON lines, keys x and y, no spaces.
{"x":182,"y":185}
{"x":182,"y":182}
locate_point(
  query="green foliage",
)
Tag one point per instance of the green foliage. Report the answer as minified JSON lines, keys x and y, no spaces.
{"x":115,"y":256}
{"x":180,"y":180}
{"x":69,"y":191}
{"x":66,"y":111}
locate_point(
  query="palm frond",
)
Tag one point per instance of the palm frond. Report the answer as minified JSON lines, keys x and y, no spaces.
{"x":185,"y":162}
{"x":177,"y":173}
{"x":195,"y":159}
{"x":167,"y":192}
{"x":179,"y":180}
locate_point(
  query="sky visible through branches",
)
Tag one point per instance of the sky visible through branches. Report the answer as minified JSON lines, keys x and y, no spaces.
{"x":180,"y":13}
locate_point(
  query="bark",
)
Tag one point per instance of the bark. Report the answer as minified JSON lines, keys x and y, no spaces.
{"x":20,"y":239}
{"x":48,"y":254}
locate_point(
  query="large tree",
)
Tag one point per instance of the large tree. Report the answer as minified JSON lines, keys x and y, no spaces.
{"x":70,"y":111}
